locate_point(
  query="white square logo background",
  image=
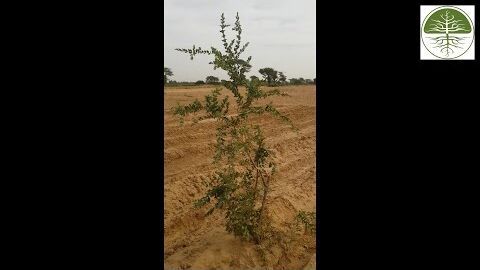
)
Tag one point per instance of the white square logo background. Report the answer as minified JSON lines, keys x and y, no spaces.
{"x":425,"y":54}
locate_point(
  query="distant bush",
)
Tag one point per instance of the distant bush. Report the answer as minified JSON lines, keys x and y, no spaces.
{"x":301,"y":81}
{"x":294,"y":81}
{"x":211,"y":80}
{"x":199,"y":82}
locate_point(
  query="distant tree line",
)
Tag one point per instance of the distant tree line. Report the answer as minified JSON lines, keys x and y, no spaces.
{"x":270,"y":77}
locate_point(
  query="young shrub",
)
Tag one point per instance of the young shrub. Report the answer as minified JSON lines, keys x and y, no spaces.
{"x":241,"y":184}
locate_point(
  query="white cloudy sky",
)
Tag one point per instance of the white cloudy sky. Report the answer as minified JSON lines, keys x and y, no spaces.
{"x":281,"y":35}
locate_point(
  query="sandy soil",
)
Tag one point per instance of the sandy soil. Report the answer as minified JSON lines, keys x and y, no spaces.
{"x":193,"y":241}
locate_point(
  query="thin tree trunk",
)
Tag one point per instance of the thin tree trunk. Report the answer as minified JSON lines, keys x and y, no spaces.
{"x":255,"y":187}
{"x":265,"y":187}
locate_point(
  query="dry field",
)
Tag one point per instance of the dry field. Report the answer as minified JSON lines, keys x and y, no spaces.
{"x":193,"y":241}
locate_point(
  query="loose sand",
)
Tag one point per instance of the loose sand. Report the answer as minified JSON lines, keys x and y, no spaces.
{"x":193,"y":241}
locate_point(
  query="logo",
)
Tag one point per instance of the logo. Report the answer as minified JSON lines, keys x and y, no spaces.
{"x":447,"y":32}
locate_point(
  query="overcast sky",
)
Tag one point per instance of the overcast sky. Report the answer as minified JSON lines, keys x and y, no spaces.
{"x":281,"y":35}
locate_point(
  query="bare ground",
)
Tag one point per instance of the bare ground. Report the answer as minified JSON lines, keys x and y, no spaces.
{"x":193,"y":241}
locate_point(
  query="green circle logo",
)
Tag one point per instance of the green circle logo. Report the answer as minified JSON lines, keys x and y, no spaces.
{"x":447,"y":32}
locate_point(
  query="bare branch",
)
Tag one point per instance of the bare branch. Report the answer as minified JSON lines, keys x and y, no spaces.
{"x":437,"y":29}
{"x":439,"y":21}
{"x":457,"y":29}
{"x":438,"y":26}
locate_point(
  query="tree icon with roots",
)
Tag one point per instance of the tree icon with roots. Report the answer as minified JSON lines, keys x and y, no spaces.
{"x":449,"y":24}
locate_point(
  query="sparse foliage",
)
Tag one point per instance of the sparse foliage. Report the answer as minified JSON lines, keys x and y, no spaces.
{"x":308,"y":219}
{"x":246,"y":168}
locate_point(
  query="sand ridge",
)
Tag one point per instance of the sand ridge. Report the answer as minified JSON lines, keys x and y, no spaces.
{"x":193,"y":241}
